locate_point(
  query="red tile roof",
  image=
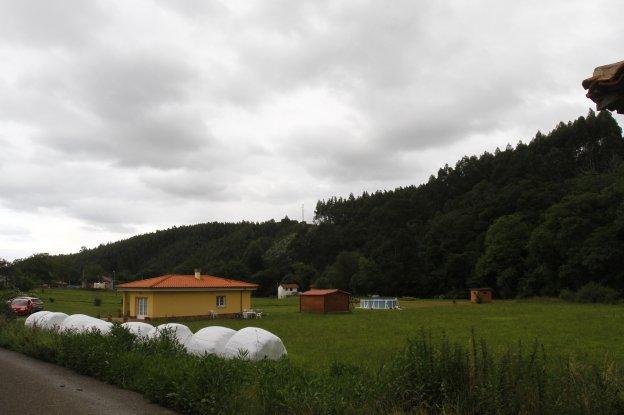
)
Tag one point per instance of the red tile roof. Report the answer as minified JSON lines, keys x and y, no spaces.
{"x":187,"y":281}
{"x":324,"y":292}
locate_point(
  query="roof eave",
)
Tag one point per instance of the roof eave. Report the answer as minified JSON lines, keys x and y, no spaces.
{"x":186,"y":288}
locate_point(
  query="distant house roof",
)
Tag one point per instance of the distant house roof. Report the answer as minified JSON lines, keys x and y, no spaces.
{"x":324,"y":292}
{"x":188,"y":282}
{"x":289,"y":285}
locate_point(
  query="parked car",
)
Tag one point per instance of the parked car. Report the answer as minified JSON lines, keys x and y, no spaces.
{"x":23,"y":306}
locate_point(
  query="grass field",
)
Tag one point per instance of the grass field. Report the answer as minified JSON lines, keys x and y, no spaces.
{"x":74,"y":301}
{"x":368,"y":337}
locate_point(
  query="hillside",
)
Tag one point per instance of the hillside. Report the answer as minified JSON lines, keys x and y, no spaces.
{"x":528,"y":220}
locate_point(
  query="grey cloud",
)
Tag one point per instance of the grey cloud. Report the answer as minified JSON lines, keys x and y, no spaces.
{"x":132,"y":109}
{"x":192,"y":185}
{"x":161,"y":140}
{"x":337,"y":154}
{"x":58,"y":24}
{"x":117,"y":85}
{"x":14,"y":231}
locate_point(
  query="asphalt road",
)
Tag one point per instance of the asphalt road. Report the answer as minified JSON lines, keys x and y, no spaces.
{"x":30,"y":386}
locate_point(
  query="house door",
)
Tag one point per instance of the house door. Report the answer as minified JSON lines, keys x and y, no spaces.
{"x":141,"y":306}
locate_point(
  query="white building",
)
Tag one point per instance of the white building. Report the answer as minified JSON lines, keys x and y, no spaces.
{"x":286,"y":290}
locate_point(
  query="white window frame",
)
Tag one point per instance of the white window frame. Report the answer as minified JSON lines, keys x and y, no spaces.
{"x":141,"y":303}
{"x":221,"y":302}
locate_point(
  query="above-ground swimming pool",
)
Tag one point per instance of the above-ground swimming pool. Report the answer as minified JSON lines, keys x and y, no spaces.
{"x":379,"y":303}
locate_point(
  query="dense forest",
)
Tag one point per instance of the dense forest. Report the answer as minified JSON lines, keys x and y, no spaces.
{"x":529,"y":220}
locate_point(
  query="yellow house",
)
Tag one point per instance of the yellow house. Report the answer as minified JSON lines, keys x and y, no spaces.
{"x":185,"y":296}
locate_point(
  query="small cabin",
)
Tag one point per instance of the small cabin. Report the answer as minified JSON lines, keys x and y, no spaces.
{"x":286,"y":290}
{"x":481,"y":295}
{"x":324,"y":301}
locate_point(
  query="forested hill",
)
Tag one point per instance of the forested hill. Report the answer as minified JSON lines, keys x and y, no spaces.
{"x":528,"y":220}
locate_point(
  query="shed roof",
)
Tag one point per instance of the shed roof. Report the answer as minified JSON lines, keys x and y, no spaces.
{"x":324,"y":292}
{"x":186,"y":281}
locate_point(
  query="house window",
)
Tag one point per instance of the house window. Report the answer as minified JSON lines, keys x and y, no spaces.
{"x":141,"y":307}
{"x":220,"y":301}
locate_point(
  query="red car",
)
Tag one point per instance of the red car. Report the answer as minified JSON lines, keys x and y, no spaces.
{"x":23,"y":306}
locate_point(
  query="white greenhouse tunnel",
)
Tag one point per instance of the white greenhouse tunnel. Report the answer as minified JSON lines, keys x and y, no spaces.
{"x":81,"y":323}
{"x":179,"y":331}
{"x":52,"y":321}
{"x":251,"y":343}
{"x":210,"y":340}
{"x":33,"y":319}
{"x":255,"y":344}
{"x":138,"y":328}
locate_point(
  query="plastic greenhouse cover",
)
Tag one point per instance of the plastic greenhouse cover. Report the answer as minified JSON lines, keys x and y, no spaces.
{"x":179,"y":331}
{"x":255,"y":344}
{"x":52,"y":321}
{"x":81,"y":323}
{"x":33,"y":319}
{"x":211,"y":340}
{"x":138,"y":328}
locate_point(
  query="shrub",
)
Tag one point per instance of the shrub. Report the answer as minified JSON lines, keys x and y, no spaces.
{"x":51,"y":299}
{"x":457,"y":294}
{"x":97,"y":301}
{"x":567,"y":295}
{"x":5,"y":308}
{"x":595,"y":293}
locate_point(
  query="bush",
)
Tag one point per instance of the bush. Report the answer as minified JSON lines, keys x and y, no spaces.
{"x":97,"y":301}
{"x":596,"y":293}
{"x":457,"y":295}
{"x":5,"y":308}
{"x":567,"y":295}
{"x":51,"y":299}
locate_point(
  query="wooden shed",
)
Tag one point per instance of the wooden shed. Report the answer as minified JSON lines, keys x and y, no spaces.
{"x":485,"y":295}
{"x":324,"y":301}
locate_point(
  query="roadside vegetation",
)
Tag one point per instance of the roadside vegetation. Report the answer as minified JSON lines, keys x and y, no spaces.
{"x":430,"y":375}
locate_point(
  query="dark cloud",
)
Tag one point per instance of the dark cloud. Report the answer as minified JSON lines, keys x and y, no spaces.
{"x":202,"y":186}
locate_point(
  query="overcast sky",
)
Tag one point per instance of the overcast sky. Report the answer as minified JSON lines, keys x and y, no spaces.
{"x":119,"y":117}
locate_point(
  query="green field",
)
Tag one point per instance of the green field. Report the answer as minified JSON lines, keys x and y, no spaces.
{"x":369,"y":337}
{"x":74,"y":301}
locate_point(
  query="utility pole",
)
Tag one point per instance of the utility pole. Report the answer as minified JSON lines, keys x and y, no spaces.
{"x":302,"y":213}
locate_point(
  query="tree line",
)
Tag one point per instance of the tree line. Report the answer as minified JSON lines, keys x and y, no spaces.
{"x":533,"y":219}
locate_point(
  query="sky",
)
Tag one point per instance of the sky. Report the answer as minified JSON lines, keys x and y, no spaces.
{"x":119,"y":118}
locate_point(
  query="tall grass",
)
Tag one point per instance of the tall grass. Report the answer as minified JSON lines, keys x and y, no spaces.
{"x":430,"y":376}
